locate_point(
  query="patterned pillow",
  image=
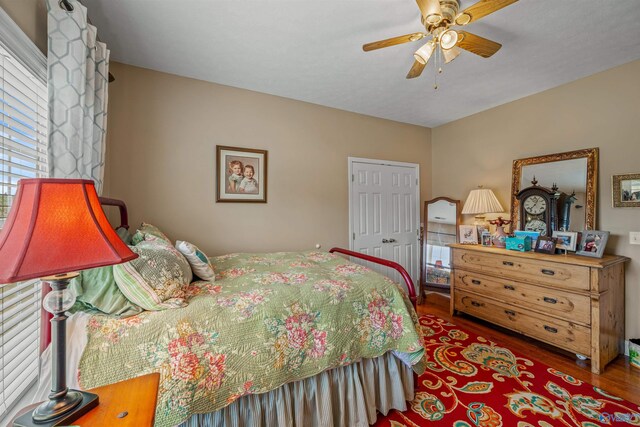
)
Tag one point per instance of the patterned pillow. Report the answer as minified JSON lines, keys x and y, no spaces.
{"x":155,"y":279}
{"x":147,"y":230}
{"x":200,"y":264}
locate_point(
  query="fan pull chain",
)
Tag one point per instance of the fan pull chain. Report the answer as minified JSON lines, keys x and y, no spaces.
{"x":436,"y":69}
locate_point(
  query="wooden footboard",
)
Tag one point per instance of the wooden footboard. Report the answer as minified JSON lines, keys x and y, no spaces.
{"x":386,"y":263}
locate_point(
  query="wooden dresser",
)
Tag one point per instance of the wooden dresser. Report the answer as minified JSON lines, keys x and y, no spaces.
{"x":573,"y":302}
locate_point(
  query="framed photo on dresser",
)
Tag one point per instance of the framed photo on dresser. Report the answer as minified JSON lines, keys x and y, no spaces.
{"x":468,"y":234}
{"x":566,"y":240}
{"x":546,"y":245}
{"x":593,"y":243}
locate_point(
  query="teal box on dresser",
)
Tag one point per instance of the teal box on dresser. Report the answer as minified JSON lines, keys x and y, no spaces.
{"x":519,"y":243}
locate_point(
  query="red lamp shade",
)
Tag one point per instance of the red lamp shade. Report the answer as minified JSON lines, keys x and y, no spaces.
{"x":57,"y":226}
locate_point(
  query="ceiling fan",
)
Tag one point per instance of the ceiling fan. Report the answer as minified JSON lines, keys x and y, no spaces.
{"x":438,"y":18}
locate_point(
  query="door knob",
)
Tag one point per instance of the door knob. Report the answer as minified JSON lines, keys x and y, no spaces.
{"x":392,"y":240}
{"x":385,"y":241}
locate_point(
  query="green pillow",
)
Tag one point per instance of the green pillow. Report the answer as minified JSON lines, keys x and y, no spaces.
{"x":96,"y":289}
{"x":155,"y":280}
{"x":124,"y":234}
{"x":148,"y":230}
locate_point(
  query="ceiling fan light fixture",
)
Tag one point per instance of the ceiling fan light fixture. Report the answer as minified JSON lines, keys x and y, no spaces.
{"x":450,"y":54}
{"x":431,"y":11}
{"x":448,"y":39}
{"x":423,"y":54}
{"x":433,"y":19}
{"x":463,"y":19}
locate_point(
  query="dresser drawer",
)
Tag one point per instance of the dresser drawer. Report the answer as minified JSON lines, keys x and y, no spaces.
{"x":561,"y":333}
{"x":547,"y":301}
{"x":523,"y":269}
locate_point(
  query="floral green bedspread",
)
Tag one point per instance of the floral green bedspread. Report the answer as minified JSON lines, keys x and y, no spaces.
{"x":267,"y":320}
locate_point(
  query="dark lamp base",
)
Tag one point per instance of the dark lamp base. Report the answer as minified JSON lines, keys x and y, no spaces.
{"x":89,"y":401}
{"x":57,"y":407}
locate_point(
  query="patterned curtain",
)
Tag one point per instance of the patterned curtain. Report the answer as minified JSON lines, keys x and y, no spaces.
{"x":78,"y":72}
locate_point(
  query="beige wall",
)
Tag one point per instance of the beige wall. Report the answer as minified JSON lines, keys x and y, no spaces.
{"x":598,"y":111}
{"x":163,"y":130}
{"x":31,"y":17}
{"x":162,"y":136}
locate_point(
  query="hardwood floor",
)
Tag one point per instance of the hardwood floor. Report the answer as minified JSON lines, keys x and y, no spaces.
{"x":619,"y":377}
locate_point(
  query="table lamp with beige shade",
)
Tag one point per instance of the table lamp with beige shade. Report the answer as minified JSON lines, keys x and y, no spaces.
{"x":480,"y":202}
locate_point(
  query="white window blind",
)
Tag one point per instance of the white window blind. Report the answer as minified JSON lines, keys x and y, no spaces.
{"x":23,"y":154}
{"x":23,"y":128}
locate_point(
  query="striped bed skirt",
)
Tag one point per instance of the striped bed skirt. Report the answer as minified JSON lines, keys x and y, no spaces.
{"x":348,"y":396}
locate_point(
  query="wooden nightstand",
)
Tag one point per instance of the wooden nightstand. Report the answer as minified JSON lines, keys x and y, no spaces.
{"x":136,"y":397}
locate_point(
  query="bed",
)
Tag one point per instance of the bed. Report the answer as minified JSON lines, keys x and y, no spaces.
{"x":287,"y":339}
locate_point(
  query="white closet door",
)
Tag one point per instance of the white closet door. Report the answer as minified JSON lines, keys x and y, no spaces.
{"x":369,"y":195}
{"x":384,"y":215}
{"x":402,"y":220}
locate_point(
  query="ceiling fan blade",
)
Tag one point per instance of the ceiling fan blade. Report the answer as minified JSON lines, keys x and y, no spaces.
{"x":481,"y":9}
{"x":450,"y":54}
{"x":431,"y":11}
{"x":476,"y":44}
{"x":416,"y":70}
{"x":393,"y":41}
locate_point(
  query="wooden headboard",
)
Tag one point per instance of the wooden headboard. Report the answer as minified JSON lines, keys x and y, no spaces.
{"x":124,"y":217}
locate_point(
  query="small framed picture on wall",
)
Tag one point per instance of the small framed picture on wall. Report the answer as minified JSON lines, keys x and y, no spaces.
{"x":241,"y":175}
{"x":626,"y":190}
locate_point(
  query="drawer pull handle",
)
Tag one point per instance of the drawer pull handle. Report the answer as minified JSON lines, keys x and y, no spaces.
{"x":510,"y":312}
{"x":550,"y":329}
{"x":509,"y":288}
{"x":477,"y":304}
{"x":550,"y":300}
{"x":476,"y":282}
{"x":507,"y":263}
{"x":548,"y":272}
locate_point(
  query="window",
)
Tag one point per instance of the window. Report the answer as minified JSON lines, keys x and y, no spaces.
{"x":23,"y":154}
{"x":23,"y":128}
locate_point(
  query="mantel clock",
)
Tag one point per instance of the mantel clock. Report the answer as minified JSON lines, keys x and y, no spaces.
{"x":538,"y":208}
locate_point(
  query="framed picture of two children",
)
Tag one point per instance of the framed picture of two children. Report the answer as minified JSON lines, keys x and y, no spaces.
{"x":241,"y":175}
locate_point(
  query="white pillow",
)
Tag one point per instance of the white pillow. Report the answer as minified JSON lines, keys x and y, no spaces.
{"x":199,"y":262}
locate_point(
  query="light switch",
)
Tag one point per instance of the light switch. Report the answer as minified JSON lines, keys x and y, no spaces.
{"x":634,"y":237}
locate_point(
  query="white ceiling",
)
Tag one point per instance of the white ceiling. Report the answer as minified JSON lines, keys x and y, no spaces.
{"x":311,"y":50}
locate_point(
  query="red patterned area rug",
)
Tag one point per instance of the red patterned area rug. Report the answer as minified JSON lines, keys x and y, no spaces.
{"x":471,"y":381}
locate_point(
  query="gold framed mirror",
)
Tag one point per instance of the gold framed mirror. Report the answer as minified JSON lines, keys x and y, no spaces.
{"x":441,"y":221}
{"x":573,"y":174}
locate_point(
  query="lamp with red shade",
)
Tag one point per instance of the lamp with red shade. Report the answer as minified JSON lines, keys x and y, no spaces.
{"x":56,"y":227}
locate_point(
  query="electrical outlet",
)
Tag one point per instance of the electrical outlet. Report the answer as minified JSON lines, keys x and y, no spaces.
{"x":634,"y":237}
